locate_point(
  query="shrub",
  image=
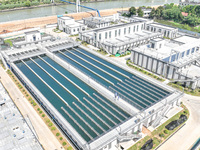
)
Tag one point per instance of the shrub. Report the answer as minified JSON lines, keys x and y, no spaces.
{"x":69,"y":148}
{"x":50,"y":124}
{"x":161,"y":135}
{"x":166,"y":131}
{"x":61,"y":138}
{"x":38,"y":109}
{"x":29,"y":98}
{"x":40,"y":112}
{"x":47,"y":121}
{"x":53,"y":128}
{"x":27,"y":95}
{"x":43,"y":115}
{"x":32,"y":102}
{"x":186,"y":112}
{"x":64,"y":143}
{"x":57,"y":134}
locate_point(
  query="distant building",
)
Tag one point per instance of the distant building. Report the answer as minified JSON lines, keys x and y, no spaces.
{"x":118,"y":38}
{"x":146,"y":12}
{"x":31,"y":37}
{"x":121,"y":37}
{"x":167,"y":31}
{"x":70,"y":26}
{"x":99,"y":22}
{"x":188,"y":2}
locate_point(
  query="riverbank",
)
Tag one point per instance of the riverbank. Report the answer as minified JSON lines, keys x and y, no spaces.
{"x":41,"y":22}
{"x":31,"y":7}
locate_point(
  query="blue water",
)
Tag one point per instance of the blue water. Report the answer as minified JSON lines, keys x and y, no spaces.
{"x":57,"y":103}
{"x":145,"y":93}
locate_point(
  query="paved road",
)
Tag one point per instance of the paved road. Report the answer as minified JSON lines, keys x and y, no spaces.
{"x":46,"y":137}
{"x":186,"y":136}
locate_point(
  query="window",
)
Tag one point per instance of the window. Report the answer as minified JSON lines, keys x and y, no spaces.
{"x":119,"y":32}
{"x":100,"y":36}
{"x":134,"y":29}
{"x":193,"y":50}
{"x":137,"y":27}
{"x":124,"y":31}
{"x":142,"y":27}
{"x":74,"y":30}
{"x":110,"y":34}
{"x":188,"y":52}
{"x":78,"y":29}
{"x":106,"y":35}
{"x":129,"y":29}
{"x":182,"y":54}
{"x":115,"y":33}
{"x":159,"y":30}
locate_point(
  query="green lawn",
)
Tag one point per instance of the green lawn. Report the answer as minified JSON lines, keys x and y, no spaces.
{"x":178,"y":25}
{"x":130,"y":64}
{"x":155,"y":134}
{"x":177,"y":86}
{"x":9,"y":42}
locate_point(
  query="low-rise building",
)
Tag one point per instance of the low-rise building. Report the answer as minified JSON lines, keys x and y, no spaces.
{"x":146,"y":12}
{"x":169,"y":58}
{"x":167,"y":31}
{"x":118,"y":38}
{"x":70,"y":26}
{"x":30,"y":38}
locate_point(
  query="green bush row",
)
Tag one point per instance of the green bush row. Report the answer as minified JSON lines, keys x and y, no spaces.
{"x":144,"y":71}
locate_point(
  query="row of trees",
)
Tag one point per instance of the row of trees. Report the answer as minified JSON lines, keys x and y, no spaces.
{"x":16,"y":4}
{"x":134,"y":11}
{"x":173,"y":12}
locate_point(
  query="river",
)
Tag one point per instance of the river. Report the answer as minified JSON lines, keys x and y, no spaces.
{"x":58,"y":10}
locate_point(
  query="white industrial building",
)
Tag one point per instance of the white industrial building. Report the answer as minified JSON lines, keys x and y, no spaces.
{"x":30,"y":38}
{"x":99,"y":22}
{"x":70,"y":26}
{"x":167,"y":31}
{"x":171,"y":58}
{"x":121,"y":37}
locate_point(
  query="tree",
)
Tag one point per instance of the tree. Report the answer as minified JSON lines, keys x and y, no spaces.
{"x":132,"y":11}
{"x":152,"y":14}
{"x":140,"y":12}
{"x":28,"y":4}
{"x":159,"y":12}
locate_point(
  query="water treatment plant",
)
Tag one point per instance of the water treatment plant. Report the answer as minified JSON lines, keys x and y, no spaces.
{"x":95,"y":102}
{"x":102,"y":82}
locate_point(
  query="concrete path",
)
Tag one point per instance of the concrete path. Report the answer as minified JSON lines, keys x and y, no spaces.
{"x":46,"y":137}
{"x":186,"y":136}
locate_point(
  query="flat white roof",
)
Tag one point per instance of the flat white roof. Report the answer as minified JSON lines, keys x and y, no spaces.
{"x":193,"y":71}
{"x":161,"y":26}
{"x":179,"y":44}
